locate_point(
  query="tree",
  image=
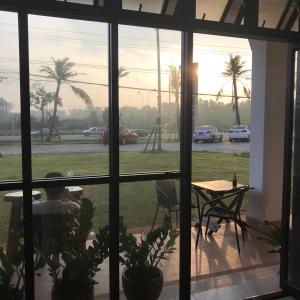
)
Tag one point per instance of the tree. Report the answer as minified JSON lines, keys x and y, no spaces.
{"x":122,"y":72}
{"x":175,"y":83}
{"x":39,"y":99}
{"x":62,"y":72}
{"x":235,"y":70}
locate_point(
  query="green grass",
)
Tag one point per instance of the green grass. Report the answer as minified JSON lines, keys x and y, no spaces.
{"x":138,"y":199}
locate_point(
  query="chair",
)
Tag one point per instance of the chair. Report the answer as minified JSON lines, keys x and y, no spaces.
{"x":230,"y":213}
{"x":167,"y":198}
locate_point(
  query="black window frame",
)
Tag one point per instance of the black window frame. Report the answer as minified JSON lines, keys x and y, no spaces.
{"x":113,"y":15}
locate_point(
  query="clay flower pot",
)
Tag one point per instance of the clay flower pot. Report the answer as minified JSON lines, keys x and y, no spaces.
{"x":145,"y":290}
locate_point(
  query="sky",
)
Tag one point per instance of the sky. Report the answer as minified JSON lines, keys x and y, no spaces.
{"x":85,"y":43}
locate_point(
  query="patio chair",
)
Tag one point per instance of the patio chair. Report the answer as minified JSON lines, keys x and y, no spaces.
{"x":167,"y":199}
{"x":231,"y":213}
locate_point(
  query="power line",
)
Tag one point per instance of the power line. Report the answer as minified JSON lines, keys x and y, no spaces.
{"x":123,"y":87}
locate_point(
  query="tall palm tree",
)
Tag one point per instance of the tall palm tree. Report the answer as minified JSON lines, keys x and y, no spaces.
{"x":235,"y":70}
{"x":62,"y":72}
{"x":123,"y":72}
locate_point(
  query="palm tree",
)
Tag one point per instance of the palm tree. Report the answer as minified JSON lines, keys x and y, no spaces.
{"x":62,"y":72}
{"x":122,"y":72}
{"x":235,"y":70}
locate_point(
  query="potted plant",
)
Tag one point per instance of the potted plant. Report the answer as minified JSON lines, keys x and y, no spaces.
{"x":74,"y":272}
{"x":141,"y":256}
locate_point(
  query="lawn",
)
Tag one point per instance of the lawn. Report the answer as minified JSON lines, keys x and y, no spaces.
{"x":138,"y":199}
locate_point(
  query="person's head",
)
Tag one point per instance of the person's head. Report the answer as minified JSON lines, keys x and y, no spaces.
{"x":54,"y":193}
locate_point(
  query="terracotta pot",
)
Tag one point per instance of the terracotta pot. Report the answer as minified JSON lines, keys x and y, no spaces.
{"x":142,"y":290}
{"x":83,"y":294}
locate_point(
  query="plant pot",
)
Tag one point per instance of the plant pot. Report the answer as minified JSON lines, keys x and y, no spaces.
{"x":75,"y":294}
{"x":142,"y":290}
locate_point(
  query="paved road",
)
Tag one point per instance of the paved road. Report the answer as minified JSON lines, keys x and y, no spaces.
{"x":224,"y":147}
{"x":66,"y":137}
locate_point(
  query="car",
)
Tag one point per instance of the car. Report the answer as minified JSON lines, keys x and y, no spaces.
{"x":239,"y":133}
{"x":93,"y":131}
{"x":207,"y":133}
{"x":37,"y":133}
{"x":140,"y":132}
{"x":126,"y":136}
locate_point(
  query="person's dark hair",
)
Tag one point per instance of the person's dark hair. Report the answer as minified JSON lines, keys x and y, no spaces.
{"x":54,"y":191}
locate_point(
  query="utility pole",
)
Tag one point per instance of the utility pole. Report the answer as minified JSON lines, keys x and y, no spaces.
{"x":158,"y":92}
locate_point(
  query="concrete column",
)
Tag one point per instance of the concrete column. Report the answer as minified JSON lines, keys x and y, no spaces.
{"x":269,"y":82}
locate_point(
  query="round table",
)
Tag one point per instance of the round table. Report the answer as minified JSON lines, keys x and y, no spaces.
{"x":17,"y":196}
{"x":76,"y":191}
{"x":14,"y":230}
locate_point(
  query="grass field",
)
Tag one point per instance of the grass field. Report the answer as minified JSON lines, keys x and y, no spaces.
{"x":138,"y":199}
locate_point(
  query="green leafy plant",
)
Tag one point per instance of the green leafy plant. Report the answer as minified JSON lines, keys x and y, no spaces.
{"x":272,"y":235}
{"x":78,"y":265}
{"x":142,"y":255}
{"x":12,"y":273}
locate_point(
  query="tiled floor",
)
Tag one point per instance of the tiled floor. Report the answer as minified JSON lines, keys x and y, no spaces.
{"x":216,"y":256}
{"x":232,"y":286}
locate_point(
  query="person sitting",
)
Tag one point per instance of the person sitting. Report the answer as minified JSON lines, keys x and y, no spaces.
{"x":52,"y":217}
{"x":58,"y":200}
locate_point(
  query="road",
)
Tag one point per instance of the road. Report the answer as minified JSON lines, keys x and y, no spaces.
{"x":225,"y":147}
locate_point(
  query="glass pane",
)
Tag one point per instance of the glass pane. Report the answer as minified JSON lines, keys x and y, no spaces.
{"x":167,"y":7}
{"x":139,"y":203}
{"x":222,"y":10}
{"x":294,"y":261}
{"x":149,"y":120}
{"x":270,"y":11}
{"x":10,"y":127}
{"x":11,"y":241}
{"x":69,"y":96}
{"x":59,"y":210}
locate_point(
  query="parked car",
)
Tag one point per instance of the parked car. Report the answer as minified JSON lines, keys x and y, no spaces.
{"x":207,"y":133}
{"x":140,"y":132}
{"x":126,"y":136}
{"x":93,"y":131}
{"x":239,"y":133}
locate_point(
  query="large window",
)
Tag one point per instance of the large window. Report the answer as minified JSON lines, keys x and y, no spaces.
{"x":150,"y":91}
{"x":105,"y":109}
{"x":10,"y":121}
{"x":69,"y":96}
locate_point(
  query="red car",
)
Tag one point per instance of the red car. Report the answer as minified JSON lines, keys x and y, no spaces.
{"x":126,"y":136}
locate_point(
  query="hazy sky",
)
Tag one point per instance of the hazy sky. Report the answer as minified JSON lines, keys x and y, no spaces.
{"x":85,"y":43}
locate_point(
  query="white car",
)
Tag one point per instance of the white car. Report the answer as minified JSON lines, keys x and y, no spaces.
{"x":93,"y":131}
{"x":239,"y":133}
{"x":207,"y":133}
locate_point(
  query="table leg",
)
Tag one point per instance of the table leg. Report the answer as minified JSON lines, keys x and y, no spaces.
{"x":14,"y":228}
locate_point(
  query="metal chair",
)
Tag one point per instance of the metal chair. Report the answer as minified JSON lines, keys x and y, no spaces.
{"x":232,"y":213}
{"x":167,"y":199}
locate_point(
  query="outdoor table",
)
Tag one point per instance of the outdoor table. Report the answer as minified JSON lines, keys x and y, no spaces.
{"x":215,"y":188}
{"x":16,"y":200}
{"x":76,"y":191}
